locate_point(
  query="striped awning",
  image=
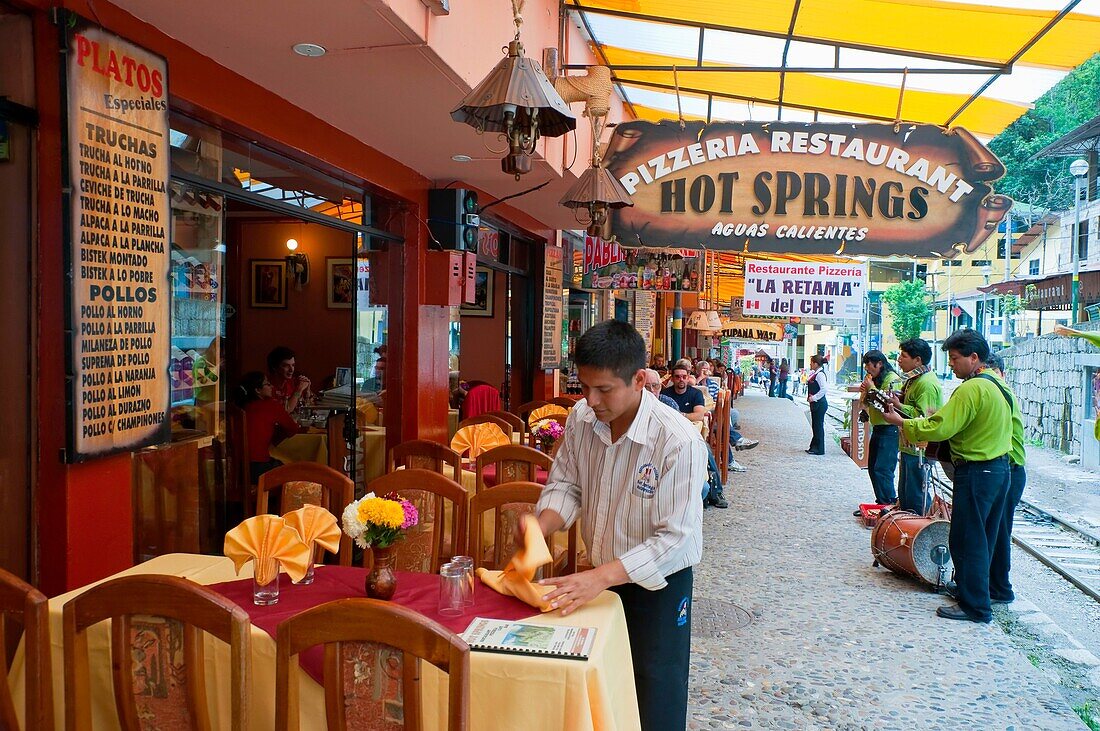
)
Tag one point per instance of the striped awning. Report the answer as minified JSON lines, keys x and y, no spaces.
{"x":977,"y":66}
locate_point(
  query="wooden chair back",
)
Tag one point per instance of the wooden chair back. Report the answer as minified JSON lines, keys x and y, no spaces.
{"x":429,"y":544}
{"x":503,"y":424}
{"x":719,"y":436}
{"x":28,"y":607}
{"x":427,"y":455}
{"x":358,"y":633}
{"x":564,"y":401}
{"x":240,"y":487}
{"x":157,"y":626}
{"x":524,"y":410}
{"x":308,"y":483}
{"x":514,"y":463}
{"x":509,"y":501}
{"x":533,"y":441}
{"x":519,"y":426}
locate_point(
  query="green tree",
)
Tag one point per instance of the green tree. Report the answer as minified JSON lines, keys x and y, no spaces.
{"x":910,"y":304}
{"x":1044,"y":183}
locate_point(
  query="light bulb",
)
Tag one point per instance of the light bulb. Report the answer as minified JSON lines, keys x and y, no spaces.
{"x":292,"y":244}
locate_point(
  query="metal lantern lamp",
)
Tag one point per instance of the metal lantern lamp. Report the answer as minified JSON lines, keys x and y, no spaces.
{"x":518,"y":101}
{"x":597,"y":191}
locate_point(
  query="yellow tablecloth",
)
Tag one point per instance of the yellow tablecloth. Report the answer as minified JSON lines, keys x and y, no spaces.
{"x":307,"y":447}
{"x":506,"y":691}
{"x":372,"y":443}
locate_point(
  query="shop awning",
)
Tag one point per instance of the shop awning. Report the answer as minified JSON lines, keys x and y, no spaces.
{"x":977,"y":66}
{"x":1081,"y":141}
{"x":1050,"y":293}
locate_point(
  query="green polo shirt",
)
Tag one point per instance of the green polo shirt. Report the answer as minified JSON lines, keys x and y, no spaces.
{"x":976,"y":421}
{"x":888,"y":383}
{"x":1016,"y":454}
{"x":923,"y":397}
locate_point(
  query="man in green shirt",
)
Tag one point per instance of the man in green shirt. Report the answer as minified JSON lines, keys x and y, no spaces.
{"x":977,"y":424}
{"x":921,"y":395}
{"x":1000,"y":587}
{"x":882,"y":452}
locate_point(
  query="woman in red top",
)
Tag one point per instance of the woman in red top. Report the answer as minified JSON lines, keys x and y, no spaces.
{"x":267,"y":421}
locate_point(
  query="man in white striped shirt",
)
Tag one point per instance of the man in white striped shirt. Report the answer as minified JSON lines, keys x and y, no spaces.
{"x":631,"y":470}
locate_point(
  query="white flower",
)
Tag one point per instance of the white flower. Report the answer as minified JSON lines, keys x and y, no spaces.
{"x":352,"y":525}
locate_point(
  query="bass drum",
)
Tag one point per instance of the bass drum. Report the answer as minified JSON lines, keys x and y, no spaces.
{"x":911,"y":544}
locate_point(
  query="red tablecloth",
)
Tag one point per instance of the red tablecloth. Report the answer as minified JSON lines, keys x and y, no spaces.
{"x":489,"y":474}
{"x":419,"y":592}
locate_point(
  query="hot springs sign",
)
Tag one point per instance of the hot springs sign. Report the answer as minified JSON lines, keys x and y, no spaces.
{"x":806,"y":188}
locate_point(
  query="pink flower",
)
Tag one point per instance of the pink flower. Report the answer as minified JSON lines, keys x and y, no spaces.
{"x":411,"y":516}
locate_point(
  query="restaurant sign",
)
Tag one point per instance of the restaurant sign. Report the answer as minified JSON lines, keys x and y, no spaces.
{"x":767,"y":332}
{"x":606,"y":265}
{"x":805,"y":289}
{"x":552,"y":308}
{"x":819,"y":188}
{"x":118,"y":247}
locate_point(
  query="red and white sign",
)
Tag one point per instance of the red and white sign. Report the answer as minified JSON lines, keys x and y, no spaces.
{"x":805,"y":289}
{"x":488,"y":243}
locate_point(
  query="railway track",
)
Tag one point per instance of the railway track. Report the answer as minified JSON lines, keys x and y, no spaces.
{"x":1071,"y":551}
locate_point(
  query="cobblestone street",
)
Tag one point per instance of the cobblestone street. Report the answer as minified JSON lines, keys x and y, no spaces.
{"x":833,"y":642}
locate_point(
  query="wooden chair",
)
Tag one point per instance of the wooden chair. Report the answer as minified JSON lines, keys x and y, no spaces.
{"x":718,"y":438}
{"x":519,"y":426}
{"x":157,"y":623}
{"x":370,"y":634}
{"x":427,"y":455}
{"x":27,"y":606}
{"x":515,"y":463}
{"x":303,"y":483}
{"x":525,"y":410}
{"x":560,"y":418}
{"x":564,"y":401}
{"x":486,"y":418}
{"x":240,"y":487}
{"x":426,"y":547}
{"x":509,"y":501}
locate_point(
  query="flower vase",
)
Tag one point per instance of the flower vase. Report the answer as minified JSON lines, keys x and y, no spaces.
{"x":381,"y":581}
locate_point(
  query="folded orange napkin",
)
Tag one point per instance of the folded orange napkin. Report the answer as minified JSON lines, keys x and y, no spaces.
{"x":543,"y":411}
{"x":315,"y":526}
{"x":478,"y":438}
{"x":269,"y":542}
{"x":517,"y":577}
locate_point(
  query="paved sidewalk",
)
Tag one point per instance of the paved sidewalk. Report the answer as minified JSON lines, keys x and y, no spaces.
{"x":834,"y":643}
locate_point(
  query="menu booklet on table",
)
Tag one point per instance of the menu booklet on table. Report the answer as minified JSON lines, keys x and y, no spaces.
{"x":499,"y":635}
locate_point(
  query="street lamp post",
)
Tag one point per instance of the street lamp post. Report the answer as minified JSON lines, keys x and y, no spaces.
{"x":1079,"y":169}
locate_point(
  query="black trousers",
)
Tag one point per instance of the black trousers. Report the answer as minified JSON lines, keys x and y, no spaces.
{"x":1000,"y":588}
{"x":659,"y":626}
{"x":977,"y":512}
{"x":817,"y":423}
{"x":882,"y":461}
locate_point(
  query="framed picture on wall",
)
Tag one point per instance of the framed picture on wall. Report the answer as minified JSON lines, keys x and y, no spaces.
{"x":483,"y":295}
{"x":268,"y":283}
{"x":340,"y":287}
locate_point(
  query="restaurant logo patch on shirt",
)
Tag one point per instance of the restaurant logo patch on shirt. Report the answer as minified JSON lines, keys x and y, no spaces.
{"x":682,"y":612}
{"x":646,"y":484}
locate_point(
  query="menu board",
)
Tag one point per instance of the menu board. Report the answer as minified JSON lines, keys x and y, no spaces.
{"x":552,"y":308}
{"x":119,"y":306}
{"x":645,"y":310}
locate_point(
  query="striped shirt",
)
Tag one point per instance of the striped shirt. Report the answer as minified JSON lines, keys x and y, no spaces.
{"x":639,"y":497}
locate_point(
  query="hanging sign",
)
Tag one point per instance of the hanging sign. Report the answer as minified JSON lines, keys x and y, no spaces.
{"x":488,"y":243}
{"x":117,"y":170}
{"x":645,"y":313}
{"x":819,"y":188}
{"x":552,"y":308}
{"x":362,"y":284}
{"x":754,"y":331}
{"x":610,"y":266}
{"x":805,"y":289}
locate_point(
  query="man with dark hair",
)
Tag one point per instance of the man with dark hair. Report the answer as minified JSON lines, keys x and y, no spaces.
{"x":921,"y":395}
{"x":1000,"y":586}
{"x":631,"y":470}
{"x":286,"y":387}
{"x":688,"y":398}
{"x":977,"y":424}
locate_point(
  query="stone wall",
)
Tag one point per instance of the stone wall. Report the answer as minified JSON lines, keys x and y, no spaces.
{"x":1045,"y":374}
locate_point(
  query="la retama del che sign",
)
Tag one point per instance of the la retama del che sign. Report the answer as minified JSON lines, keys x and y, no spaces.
{"x":816,"y":188}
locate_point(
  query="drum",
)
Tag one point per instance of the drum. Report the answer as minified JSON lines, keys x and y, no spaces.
{"x":911,"y":544}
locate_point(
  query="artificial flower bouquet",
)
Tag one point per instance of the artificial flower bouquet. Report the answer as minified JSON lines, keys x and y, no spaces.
{"x":547,"y":432}
{"x":379,"y":521}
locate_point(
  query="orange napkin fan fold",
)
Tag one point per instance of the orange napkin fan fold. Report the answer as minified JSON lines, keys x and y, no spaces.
{"x":269,"y":542}
{"x":543,"y":411}
{"x":315,"y":526}
{"x":517,"y":578}
{"x":478,"y":438}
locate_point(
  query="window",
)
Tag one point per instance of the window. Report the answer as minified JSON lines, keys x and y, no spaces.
{"x":981,"y":262}
{"x":1083,"y":240}
{"x":1033,"y":268}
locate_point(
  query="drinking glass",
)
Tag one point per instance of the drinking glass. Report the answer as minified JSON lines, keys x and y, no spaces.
{"x":452,"y":589}
{"x":266,"y":594}
{"x":308,"y":578}
{"x":467,"y":564}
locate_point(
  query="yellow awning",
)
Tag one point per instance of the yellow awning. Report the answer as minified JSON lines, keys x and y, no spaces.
{"x":977,"y":66}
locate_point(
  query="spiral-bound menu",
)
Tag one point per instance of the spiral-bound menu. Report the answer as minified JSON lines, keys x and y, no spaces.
{"x":498,"y":635}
